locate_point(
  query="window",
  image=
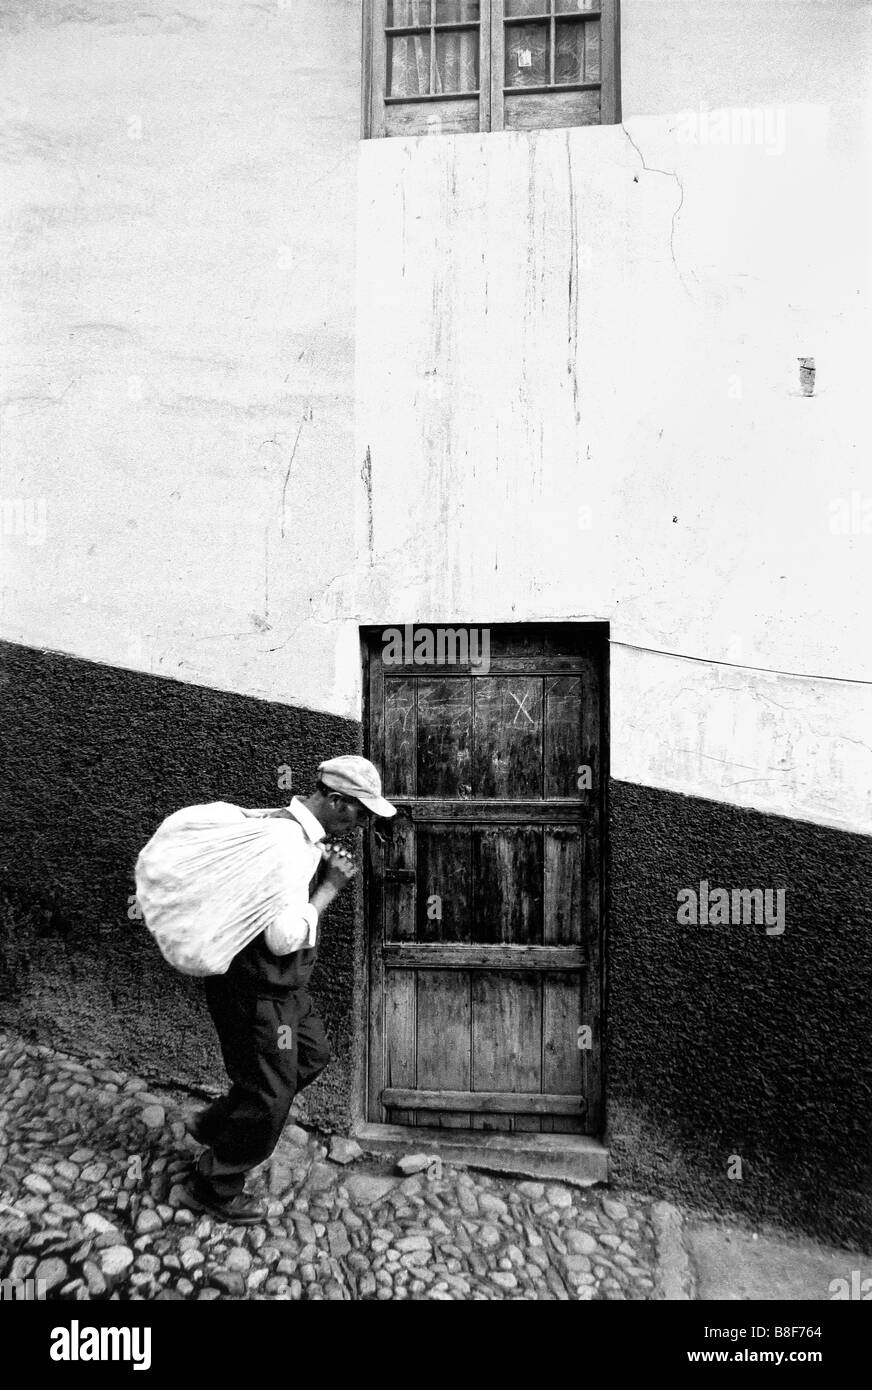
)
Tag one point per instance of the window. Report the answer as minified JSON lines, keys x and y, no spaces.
{"x":434,"y":67}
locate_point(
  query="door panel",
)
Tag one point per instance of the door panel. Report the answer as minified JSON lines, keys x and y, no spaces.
{"x":484,"y":892}
{"x":563,"y":735}
{"x":398,"y":773}
{"x":508,"y":737}
{"x":507,"y":891}
{"x":399,"y":883}
{"x":561,"y":1057}
{"x":444,"y":728}
{"x":506,"y":1041}
{"x":444,"y":1020}
{"x":445,"y":908}
{"x":562,"y":886}
{"x":401,"y":1030}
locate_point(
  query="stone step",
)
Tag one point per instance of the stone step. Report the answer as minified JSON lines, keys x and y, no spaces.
{"x":572,"y":1158}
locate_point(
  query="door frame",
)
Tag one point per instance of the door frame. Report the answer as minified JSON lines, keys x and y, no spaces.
{"x":599,"y":634}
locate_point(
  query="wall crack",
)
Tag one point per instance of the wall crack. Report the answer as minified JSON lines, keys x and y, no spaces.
{"x":306,"y":415}
{"x":669,"y":174}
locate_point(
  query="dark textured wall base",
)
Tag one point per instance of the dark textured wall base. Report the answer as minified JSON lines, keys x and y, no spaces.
{"x":721,"y":1041}
{"x":724,"y":1041}
{"x":93,"y":759}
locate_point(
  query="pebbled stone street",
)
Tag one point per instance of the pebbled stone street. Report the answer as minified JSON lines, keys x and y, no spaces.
{"x":91,"y":1159}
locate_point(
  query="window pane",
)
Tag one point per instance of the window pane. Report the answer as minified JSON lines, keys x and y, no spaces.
{"x":456,"y":11}
{"x":576,"y":6}
{"x":526,"y":55}
{"x":569,"y":58}
{"x":524,"y":7}
{"x":408,"y":66}
{"x":408,"y":12}
{"x":457,"y":61}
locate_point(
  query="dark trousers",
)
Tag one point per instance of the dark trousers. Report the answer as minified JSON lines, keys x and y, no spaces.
{"x":273,"y":1046}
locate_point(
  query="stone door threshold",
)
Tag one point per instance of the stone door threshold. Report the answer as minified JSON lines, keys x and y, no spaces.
{"x":572,"y":1158}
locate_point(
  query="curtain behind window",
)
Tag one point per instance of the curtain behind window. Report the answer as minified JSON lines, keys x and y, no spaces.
{"x":456,"y":56}
{"x":457,"y":61}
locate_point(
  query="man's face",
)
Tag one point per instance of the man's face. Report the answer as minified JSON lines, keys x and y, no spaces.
{"x":345,"y":813}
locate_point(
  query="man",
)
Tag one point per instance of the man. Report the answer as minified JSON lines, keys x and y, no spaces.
{"x":272,"y":1041}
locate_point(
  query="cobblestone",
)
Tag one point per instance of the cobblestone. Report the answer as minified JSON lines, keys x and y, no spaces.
{"x":77,"y":1210}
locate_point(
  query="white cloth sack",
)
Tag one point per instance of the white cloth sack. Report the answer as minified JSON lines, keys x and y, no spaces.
{"x":210,"y":879}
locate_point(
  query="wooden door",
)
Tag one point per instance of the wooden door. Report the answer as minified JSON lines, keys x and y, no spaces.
{"x":484,"y":894}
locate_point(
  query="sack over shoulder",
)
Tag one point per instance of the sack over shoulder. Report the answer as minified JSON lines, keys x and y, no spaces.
{"x":210,"y":880}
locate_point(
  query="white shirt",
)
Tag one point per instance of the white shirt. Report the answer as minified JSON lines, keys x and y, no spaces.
{"x":295,"y":928}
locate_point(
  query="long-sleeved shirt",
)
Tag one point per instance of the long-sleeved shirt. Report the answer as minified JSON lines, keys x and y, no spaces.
{"x":284,"y":934}
{"x":276,"y":961}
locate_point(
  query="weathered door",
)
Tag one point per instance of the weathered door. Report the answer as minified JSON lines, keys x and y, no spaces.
{"x":484,"y":899}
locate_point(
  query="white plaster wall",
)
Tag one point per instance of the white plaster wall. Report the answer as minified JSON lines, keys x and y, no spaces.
{"x":178,"y":182}
{"x":610,"y":319}
{"x":179,"y":296}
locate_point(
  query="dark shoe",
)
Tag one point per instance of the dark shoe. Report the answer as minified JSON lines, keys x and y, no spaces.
{"x":241,"y":1210}
{"x":197,"y":1129}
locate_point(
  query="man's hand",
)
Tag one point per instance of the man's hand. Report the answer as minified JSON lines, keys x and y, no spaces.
{"x":341,"y":868}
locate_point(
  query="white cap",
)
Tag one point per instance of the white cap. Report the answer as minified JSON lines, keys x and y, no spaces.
{"x":356,"y":776}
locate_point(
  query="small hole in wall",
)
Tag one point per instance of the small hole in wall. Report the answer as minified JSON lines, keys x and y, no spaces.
{"x":806,"y":375}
